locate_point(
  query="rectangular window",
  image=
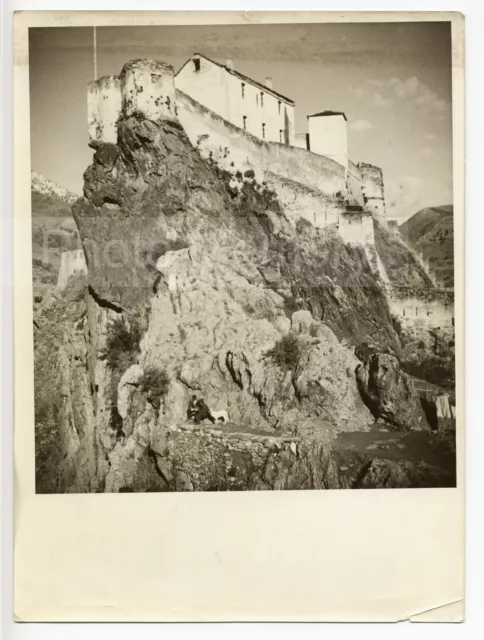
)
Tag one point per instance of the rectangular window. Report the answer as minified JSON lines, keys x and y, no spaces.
{"x":261,"y":99}
{"x":196,"y":64}
{"x":281,"y":135}
{"x":243,"y":89}
{"x":245,"y":122}
{"x":279,"y":107}
{"x":263,"y":130}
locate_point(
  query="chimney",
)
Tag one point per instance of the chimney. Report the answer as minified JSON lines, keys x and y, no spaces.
{"x":268,"y":83}
{"x":229,"y":63}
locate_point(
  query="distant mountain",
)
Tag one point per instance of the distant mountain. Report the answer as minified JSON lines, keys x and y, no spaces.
{"x":44,"y":186}
{"x":53,"y":230}
{"x":431,"y":231}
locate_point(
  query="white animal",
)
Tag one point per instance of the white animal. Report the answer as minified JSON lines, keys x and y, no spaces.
{"x":220,"y":416}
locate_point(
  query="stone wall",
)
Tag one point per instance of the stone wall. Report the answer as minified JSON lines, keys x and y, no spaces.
{"x":300,"y":201}
{"x":354,"y":185}
{"x":235,"y":149}
{"x":148,"y":87}
{"x":144,"y":86}
{"x":373,"y":188}
{"x":428,"y":314}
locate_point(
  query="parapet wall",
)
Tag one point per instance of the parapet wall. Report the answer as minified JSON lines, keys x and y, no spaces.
{"x":235,"y":149}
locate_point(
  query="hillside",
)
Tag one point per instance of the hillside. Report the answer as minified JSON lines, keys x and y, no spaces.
{"x":53,"y":231}
{"x":431,"y":231}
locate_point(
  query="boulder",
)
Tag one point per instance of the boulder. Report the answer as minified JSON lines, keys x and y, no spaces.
{"x":389,"y":393}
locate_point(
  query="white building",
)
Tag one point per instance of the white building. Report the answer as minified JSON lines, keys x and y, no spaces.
{"x":244,"y":102}
{"x":328,"y":135}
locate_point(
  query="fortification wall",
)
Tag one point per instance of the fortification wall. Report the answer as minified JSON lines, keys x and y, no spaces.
{"x":429,"y":314}
{"x":103,"y":109}
{"x":373,"y":189}
{"x":72,"y":262}
{"x":372,"y":180}
{"x":144,"y":86}
{"x":357,"y":228}
{"x":300,"y":201}
{"x":235,"y":149}
{"x":148,"y":87}
{"x":354,"y":185}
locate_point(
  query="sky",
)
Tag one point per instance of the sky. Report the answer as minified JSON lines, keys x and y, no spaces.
{"x":392,"y":80}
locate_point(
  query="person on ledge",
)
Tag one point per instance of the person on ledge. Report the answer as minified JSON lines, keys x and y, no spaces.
{"x":203,"y":412}
{"x":192,"y":408}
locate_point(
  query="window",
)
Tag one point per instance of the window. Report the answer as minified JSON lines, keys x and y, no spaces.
{"x":263,"y":129}
{"x":261,"y":99}
{"x":245,"y":122}
{"x":196,"y":64}
{"x":279,"y":107}
{"x":242,"y":86}
{"x":281,"y":135}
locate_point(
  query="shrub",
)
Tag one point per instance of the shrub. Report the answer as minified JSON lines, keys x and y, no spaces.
{"x":122,"y":343}
{"x":155,"y":384}
{"x":250,"y":173}
{"x":286,"y":352}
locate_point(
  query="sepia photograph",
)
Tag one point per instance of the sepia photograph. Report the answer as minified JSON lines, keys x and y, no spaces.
{"x":243,"y":257}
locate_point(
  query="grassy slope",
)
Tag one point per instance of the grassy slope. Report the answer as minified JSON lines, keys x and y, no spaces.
{"x":431,"y":231}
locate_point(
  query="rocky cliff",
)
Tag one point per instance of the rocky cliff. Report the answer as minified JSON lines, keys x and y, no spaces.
{"x":199,"y":284}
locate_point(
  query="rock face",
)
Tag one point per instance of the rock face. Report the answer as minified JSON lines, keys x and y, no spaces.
{"x":389,"y":393}
{"x":195,"y":286}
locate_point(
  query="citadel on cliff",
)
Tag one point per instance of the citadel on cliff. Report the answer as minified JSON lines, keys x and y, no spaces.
{"x":243,"y":125}
{"x":252,"y":266}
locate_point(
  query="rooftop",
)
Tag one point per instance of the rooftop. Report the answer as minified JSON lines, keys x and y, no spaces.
{"x":241,"y":76}
{"x":327,"y":112}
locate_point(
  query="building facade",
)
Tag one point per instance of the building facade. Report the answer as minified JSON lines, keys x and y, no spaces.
{"x":244,"y":102}
{"x":328,"y":135}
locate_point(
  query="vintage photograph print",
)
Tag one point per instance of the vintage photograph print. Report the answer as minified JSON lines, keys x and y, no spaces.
{"x":243,"y":257}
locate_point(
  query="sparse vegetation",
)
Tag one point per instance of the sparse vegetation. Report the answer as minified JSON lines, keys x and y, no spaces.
{"x":122,"y":344}
{"x":286,"y":352}
{"x":155,"y":384}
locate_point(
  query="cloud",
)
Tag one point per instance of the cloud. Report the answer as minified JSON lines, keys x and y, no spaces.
{"x":360,"y":125}
{"x":412,"y":91}
{"x":379,"y":101}
{"x":358,"y":92}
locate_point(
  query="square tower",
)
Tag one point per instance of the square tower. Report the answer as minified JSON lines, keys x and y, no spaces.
{"x":328,"y":135}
